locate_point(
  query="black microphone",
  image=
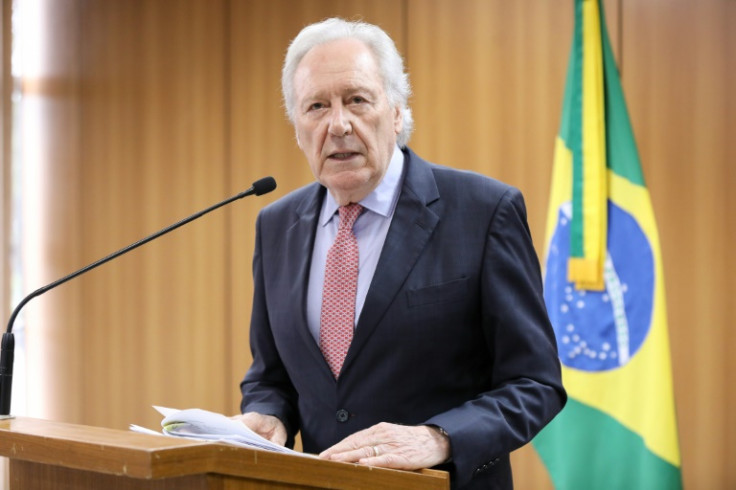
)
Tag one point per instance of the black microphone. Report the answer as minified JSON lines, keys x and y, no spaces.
{"x":259,"y":187}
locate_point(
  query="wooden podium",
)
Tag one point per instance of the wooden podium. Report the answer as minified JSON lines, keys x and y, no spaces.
{"x":51,"y":455}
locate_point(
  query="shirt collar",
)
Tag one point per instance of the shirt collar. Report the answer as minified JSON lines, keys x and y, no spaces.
{"x":384,"y":197}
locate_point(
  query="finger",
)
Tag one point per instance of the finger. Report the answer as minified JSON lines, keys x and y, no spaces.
{"x":384,"y":461}
{"x":374,"y":456}
{"x":376,"y":452}
{"x":349,"y":455}
{"x":351,"y":443}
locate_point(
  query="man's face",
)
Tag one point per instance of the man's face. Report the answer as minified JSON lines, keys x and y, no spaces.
{"x":344,"y":123}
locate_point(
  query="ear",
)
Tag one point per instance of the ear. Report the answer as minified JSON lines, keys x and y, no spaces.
{"x":398,"y":120}
{"x":298,"y":143}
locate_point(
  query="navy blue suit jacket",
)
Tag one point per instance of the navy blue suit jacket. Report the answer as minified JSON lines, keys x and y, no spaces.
{"x":454,"y":330}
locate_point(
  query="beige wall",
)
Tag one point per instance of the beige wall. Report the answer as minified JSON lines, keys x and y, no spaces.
{"x":156,"y":109}
{"x":5,"y":113}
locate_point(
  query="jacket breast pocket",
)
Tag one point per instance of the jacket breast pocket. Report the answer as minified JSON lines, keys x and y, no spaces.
{"x":448,"y":292}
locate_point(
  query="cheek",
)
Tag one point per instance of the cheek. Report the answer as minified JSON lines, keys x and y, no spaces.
{"x":309,"y":139}
{"x":306,"y":145}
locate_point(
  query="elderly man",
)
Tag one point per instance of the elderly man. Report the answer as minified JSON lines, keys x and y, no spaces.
{"x":398,"y":317}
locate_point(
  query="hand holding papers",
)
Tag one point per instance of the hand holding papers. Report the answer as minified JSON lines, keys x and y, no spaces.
{"x":201,"y":424}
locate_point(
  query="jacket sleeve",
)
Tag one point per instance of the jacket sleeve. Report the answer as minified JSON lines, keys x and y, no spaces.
{"x":266,"y":388}
{"x":526,"y":390}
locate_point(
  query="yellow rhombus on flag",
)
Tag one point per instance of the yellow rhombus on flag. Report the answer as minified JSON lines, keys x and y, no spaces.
{"x":604,"y":289}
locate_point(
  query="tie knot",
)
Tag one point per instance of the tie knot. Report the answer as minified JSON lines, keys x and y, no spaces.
{"x":348,"y":215}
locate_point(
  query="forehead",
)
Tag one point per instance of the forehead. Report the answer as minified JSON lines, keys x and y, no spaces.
{"x":342,"y":63}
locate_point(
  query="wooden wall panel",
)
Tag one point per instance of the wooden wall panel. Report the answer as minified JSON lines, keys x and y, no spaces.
{"x":153,"y":151}
{"x":679,"y":74}
{"x":729,"y":180}
{"x":6,"y":83}
{"x":51,"y":235}
{"x":488,"y":79}
{"x":6,"y":86}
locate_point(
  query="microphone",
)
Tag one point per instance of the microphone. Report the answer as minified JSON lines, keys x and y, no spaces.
{"x":259,"y":187}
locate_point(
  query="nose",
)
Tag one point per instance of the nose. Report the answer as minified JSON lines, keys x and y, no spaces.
{"x":339,"y":122}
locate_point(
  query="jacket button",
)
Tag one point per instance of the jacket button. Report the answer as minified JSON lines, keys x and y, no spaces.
{"x":342,"y":415}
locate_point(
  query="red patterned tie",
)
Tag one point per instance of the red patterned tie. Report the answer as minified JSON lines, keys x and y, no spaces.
{"x":337,"y":319}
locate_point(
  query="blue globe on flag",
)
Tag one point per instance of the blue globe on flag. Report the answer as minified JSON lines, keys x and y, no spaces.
{"x":601,"y":330}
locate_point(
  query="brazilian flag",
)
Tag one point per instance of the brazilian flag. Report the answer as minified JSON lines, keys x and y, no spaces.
{"x":604,"y":289}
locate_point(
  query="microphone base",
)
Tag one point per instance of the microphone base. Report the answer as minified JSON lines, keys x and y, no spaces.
{"x":6,"y":417}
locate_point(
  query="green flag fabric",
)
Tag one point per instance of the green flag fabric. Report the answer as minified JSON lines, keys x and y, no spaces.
{"x":604,"y":289}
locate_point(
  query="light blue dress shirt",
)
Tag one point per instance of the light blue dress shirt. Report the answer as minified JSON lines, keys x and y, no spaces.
{"x":370,"y":230}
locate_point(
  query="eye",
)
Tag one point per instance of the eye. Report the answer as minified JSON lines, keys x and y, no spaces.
{"x":357,"y":99}
{"x":315,"y":106}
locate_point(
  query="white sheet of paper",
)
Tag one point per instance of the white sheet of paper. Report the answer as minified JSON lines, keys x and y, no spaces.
{"x":196,"y":423}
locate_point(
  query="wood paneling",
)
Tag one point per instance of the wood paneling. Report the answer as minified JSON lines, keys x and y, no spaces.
{"x":154,"y":151}
{"x":51,"y":233}
{"x":678,"y":76}
{"x":6,"y":86}
{"x":154,"y":110}
{"x":152,"y":146}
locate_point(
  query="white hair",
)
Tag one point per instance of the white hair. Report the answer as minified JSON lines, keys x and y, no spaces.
{"x":390,"y":63}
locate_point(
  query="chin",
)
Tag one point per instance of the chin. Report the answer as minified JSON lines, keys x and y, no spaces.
{"x":354,"y":186}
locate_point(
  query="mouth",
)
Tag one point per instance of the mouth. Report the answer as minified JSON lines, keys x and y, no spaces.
{"x":343,"y":155}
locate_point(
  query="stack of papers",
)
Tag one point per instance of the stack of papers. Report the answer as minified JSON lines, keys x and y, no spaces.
{"x":195,"y":423}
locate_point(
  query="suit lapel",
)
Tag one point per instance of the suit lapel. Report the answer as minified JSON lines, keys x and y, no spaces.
{"x":300,"y":237}
{"x":412,"y":225}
